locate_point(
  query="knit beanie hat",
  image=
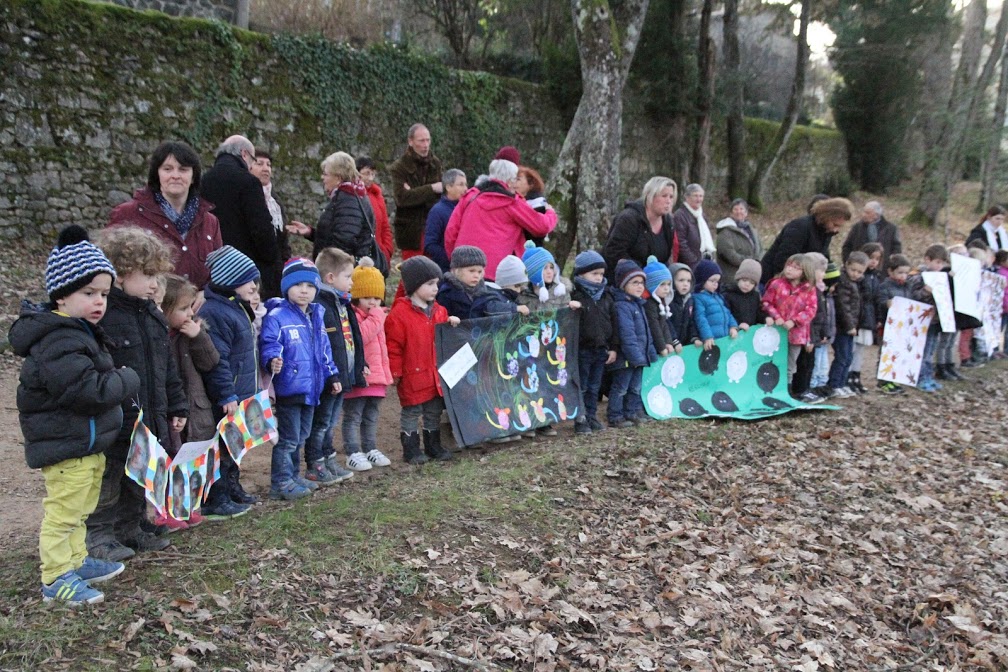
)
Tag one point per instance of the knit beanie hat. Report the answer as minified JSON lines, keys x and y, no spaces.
{"x":368,"y":282}
{"x":704,"y":270}
{"x":588,"y":261}
{"x":509,"y":153}
{"x":626,"y":269}
{"x":832,"y":274}
{"x":510,"y":271}
{"x":299,"y":270}
{"x":749,"y":269}
{"x":73,"y":263}
{"x":230,"y":268}
{"x":467,"y":255}
{"x":535,"y":260}
{"x":655,"y":273}
{"x":416,"y":271}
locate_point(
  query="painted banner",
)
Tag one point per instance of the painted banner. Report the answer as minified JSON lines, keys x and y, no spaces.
{"x":253,"y":424}
{"x":992,"y":289}
{"x":147,"y":463}
{"x":903,"y":340}
{"x":744,"y":377}
{"x":939,"y":283}
{"x":966,"y":287}
{"x":509,"y":374}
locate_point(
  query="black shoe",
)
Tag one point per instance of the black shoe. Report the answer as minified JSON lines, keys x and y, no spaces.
{"x":596,"y":425}
{"x":582,"y":428}
{"x":411,"y":448}
{"x":145,"y":542}
{"x":941,"y":373}
{"x":951,"y":372}
{"x":237,"y":493}
{"x":432,"y":446}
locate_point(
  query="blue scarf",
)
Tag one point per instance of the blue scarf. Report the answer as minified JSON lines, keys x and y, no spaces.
{"x":183,"y":222}
{"x":593,"y":289}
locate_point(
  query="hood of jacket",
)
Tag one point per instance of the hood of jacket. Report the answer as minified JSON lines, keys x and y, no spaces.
{"x":490,"y":195}
{"x":37,"y":321}
{"x":729,"y":223}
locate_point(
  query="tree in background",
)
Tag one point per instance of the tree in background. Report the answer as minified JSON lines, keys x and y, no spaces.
{"x":735,"y":98}
{"x":460,"y":22}
{"x":706,"y":64}
{"x":990,"y":170}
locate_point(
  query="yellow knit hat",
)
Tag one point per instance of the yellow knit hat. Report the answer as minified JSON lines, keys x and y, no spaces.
{"x":368,"y":282}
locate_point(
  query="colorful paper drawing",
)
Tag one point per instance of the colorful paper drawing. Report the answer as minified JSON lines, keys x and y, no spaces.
{"x":212,"y":467}
{"x":253,"y":424}
{"x":903,"y":340}
{"x":178,"y":489}
{"x":966,"y":287}
{"x":525,"y":374}
{"x":744,"y":378}
{"x":139,"y":458}
{"x":939,"y":283}
{"x":155,"y":490}
{"x":992,"y":289}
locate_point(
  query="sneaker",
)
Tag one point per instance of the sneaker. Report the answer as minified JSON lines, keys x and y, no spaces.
{"x":332,"y":463}
{"x":378,"y":459}
{"x":503,"y":439}
{"x":72,"y":589}
{"x":358,"y":462}
{"x":145,"y":542}
{"x":225,"y":511}
{"x":170,"y":524}
{"x":582,"y":428}
{"x":621,"y":424}
{"x":305,"y":483}
{"x":195,"y":518}
{"x":94,"y":570}
{"x":927,"y":386}
{"x":290,"y":492}
{"x":111,"y":551}
{"x":239,"y":496}
{"x":890,"y":387}
{"x":821,"y":391}
{"x":810,"y":397}
{"x":840,"y":393}
{"x":546,"y":431}
{"x":317,"y":472}
{"x":595,"y":425}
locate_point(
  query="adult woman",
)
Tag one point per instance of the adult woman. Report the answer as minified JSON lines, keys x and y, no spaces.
{"x":690,"y":226}
{"x":492,"y":217}
{"x":991,"y":229}
{"x":644,"y":228}
{"x":347,"y":221}
{"x":736,"y":242}
{"x":170,"y":207}
{"x":530,"y":186}
{"x":383,"y":232}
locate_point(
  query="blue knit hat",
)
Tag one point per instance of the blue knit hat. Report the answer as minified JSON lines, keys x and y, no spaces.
{"x":299,"y":270}
{"x":73,"y":263}
{"x":588,"y":261}
{"x":626,"y":269}
{"x":656,"y":273}
{"x":704,"y":270}
{"x":535,"y":260}
{"x":230,"y":268}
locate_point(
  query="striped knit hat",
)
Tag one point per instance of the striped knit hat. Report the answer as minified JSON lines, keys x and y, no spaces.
{"x":73,"y":263}
{"x":230,"y":268}
{"x":588,"y":261}
{"x":655,"y":273}
{"x":299,"y":270}
{"x":535,"y":260}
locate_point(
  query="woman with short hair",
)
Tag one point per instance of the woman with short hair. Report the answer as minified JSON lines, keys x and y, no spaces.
{"x":644,"y":228}
{"x":736,"y":242}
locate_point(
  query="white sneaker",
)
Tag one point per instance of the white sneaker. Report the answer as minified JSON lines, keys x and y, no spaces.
{"x":378,"y":459}
{"x":358,"y":462}
{"x":843,"y":392}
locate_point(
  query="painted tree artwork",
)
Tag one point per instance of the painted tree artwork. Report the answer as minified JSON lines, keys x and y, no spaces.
{"x":903,"y":340}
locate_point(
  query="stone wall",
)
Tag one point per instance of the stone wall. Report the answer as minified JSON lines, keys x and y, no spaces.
{"x":222,"y":10}
{"x":88,"y":90}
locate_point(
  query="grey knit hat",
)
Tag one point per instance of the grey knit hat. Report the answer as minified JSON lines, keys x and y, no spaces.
{"x":467,"y":255}
{"x":416,"y":271}
{"x":749,"y":269}
{"x":510,"y":271}
{"x":73,"y":263}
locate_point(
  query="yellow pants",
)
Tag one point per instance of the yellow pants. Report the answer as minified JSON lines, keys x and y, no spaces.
{"x":72,"y":488}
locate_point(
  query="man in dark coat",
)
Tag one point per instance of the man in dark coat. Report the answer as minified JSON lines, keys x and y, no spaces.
{"x":240,"y":206}
{"x":416,"y":187}
{"x":812,"y":233}
{"x":873,"y":228}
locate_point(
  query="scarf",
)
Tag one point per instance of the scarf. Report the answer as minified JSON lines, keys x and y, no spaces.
{"x":184,"y":221}
{"x":706,"y":242}
{"x":746,"y":228}
{"x":471,"y":292}
{"x":592,"y":289}
{"x":355,"y":188}
{"x":997,"y":239}
{"x":274,"y":207}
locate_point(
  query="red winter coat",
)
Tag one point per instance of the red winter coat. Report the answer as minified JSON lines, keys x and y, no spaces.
{"x":189,"y":255}
{"x":784,"y":301}
{"x":372,"y":329}
{"x":383,"y":232}
{"x":409,"y":334}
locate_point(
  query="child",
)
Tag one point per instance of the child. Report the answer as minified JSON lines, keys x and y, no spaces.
{"x":868,"y":287}
{"x":711,"y":314}
{"x":195,"y":355}
{"x":823,"y":328}
{"x":546,"y":288}
{"x":658,"y":282}
{"x":361,"y":404}
{"x":295,"y":348}
{"x":681,"y":323}
{"x":140,"y":333}
{"x":463,"y":282}
{"x":790,"y":300}
{"x":848,"y":312}
{"x":336,"y":268}
{"x":409,"y":334}
{"x":501,"y":297}
{"x":895,"y":285}
{"x":229,"y":317}
{"x":596,"y":338}
{"x":636,"y":347}
{"x":69,"y":401}
{"x":743,"y":300}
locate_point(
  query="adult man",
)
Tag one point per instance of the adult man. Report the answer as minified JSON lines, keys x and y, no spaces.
{"x":240,"y":205}
{"x":263,"y":170}
{"x":416,"y":187}
{"x":873,"y":228}
{"x":454,"y":181}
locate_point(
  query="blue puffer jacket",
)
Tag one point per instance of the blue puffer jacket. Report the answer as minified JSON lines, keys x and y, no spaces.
{"x":300,"y":340}
{"x":636,"y":343}
{"x":712,"y":317}
{"x":229,"y":322}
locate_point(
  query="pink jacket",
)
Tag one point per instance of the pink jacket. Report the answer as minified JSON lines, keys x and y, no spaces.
{"x":783,"y":301}
{"x":496,"y":220}
{"x":372,"y":328}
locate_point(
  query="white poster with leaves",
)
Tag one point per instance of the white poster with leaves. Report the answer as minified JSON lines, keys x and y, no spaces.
{"x":903,"y":340}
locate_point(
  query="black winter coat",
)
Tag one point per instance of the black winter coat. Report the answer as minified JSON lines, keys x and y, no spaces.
{"x":868,"y":287}
{"x":630,"y":237}
{"x":797,"y":237}
{"x":596,"y":320}
{"x":824,"y":323}
{"x":139,"y":335}
{"x":334,"y":330}
{"x":682,"y":324}
{"x":70,"y":394}
{"x":745,"y":307}
{"x":346,"y":224}
{"x":661,"y":332}
{"x":847,"y":298}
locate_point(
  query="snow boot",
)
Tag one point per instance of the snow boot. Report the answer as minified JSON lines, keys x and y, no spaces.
{"x":411,"y":448}
{"x":433,"y":447}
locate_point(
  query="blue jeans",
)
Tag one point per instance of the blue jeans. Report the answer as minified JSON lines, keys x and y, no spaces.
{"x":624,"y":394}
{"x":927,"y":359}
{"x":821,"y":370}
{"x":360,"y":424}
{"x":319,"y":443}
{"x":294,"y":422}
{"x":843,"y":352}
{"x":591,"y":366}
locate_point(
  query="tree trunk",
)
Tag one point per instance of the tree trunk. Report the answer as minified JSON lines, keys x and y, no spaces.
{"x":757,"y":183}
{"x":736,"y":125}
{"x":584,"y":183}
{"x":990,"y":168}
{"x":705,"y":94}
